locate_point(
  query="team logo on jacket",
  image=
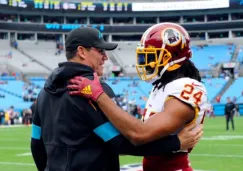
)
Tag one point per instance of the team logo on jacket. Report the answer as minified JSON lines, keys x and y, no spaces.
{"x":132,"y":167}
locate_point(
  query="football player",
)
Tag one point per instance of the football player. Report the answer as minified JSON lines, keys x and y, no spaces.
{"x":178,"y":97}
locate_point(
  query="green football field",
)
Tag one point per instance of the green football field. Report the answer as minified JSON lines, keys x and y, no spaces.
{"x":218,"y":150}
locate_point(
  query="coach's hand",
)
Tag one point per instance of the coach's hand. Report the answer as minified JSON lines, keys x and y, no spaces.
{"x":82,"y":86}
{"x":190,"y":136}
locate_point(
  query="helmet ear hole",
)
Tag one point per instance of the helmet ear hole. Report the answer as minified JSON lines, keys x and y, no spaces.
{"x":175,"y":54}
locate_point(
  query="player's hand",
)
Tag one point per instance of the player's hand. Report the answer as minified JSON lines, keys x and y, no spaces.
{"x":82,"y":86}
{"x":190,"y":136}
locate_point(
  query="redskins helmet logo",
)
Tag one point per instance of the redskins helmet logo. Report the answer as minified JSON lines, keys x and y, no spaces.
{"x":171,"y":37}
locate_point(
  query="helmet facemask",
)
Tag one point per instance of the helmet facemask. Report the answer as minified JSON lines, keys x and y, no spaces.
{"x":149,"y":60}
{"x":163,"y":47}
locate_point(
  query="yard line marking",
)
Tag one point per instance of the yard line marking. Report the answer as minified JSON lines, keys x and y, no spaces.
{"x":14,"y":140}
{"x":24,"y":154}
{"x":218,"y":155}
{"x":223,"y":137}
{"x":16,"y":164}
{"x":213,"y":132}
{"x":31,"y":164}
{"x":229,"y":145}
{"x":12,"y":126}
{"x":13,"y":148}
{"x":138,"y":167}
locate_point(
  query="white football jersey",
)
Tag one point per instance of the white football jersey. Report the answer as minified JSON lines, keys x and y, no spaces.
{"x":187,"y":90}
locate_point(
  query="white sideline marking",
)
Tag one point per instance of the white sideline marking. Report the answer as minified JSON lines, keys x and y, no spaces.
{"x":24,"y":154}
{"x":13,"y":148}
{"x":138,"y":166}
{"x":16,"y":164}
{"x":223,"y":137}
{"x":229,"y":145}
{"x":218,"y":155}
{"x":31,"y":164}
{"x":12,"y":126}
{"x":202,"y":155}
{"x":14,"y":140}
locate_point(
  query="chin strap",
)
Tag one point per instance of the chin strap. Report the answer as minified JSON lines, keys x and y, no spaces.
{"x":171,"y":64}
{"x":151,"y":81}
{"x":165,"y":68}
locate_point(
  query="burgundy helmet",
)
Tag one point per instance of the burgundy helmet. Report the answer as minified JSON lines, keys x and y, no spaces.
{"x":164,"y":45}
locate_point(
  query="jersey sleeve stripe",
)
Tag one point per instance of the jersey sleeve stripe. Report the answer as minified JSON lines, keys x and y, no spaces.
{"x":36,"y":132}
{"x":168,"y":98}
{"x":196,"y":115}
{"x":106,"y":131}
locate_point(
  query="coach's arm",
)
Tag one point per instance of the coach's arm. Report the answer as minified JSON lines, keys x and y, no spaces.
{"x":176,"y":114}
{"x":115,"y":140}
{"x":157,"y":126}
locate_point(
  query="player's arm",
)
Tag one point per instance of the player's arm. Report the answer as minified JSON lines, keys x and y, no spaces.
{"x":105,"y":130}
{"x":159,"y":125}
{"x":37,"y":144}
{"x":110,"y":135}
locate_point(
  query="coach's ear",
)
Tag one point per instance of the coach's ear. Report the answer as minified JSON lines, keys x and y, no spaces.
{"x":82,"y":52}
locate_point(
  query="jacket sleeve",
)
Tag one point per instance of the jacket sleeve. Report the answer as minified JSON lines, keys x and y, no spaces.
{"x":37,"y":145}
{"x":111,"y":136}
{"x":162,"y":146}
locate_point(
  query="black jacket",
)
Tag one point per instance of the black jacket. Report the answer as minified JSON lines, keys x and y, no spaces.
{"x":229,"y":108}
{"x":70,"y":133}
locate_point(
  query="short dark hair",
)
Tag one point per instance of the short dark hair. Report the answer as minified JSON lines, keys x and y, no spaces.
{"x":187,"y":69}
{"x":70,"y":54}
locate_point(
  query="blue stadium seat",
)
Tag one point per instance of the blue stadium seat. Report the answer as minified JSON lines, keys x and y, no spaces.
{"x":7,"y":78}
{"x":13,"y":86}
{"x":208,"y":56}
{"x":234,"y":90}
{"x":213,"y":86}
{"x":11,"y":100}
{"x":240,"y":54}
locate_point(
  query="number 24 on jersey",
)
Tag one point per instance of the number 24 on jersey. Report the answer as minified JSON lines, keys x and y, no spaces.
{"x":190,"y":92}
